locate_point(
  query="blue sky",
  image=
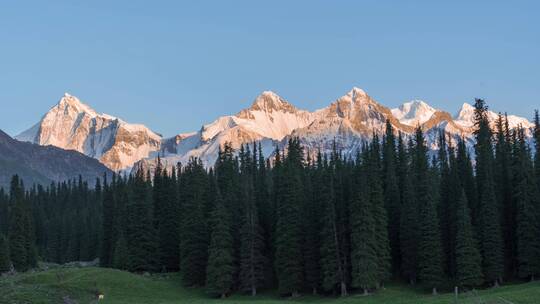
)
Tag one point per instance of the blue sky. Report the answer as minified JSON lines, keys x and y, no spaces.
{"x":174,"y":65}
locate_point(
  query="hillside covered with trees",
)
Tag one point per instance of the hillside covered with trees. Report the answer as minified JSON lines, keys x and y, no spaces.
{"x":300,"y":223}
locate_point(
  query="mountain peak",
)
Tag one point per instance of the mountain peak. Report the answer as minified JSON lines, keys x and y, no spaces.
{"x":75,"y":103}
{"x":269,"y":101}
{"x":356,"y":91}
{"x":414,"y":112}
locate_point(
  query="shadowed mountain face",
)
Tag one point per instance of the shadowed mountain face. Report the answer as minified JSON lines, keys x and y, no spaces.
{"x":37,"y":164}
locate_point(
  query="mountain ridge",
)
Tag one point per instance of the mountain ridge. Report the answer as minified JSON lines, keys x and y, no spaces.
{"x":270,"y":120}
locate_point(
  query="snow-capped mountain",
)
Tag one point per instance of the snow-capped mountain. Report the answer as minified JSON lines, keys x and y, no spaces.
{"x":413,"y":113}
{"x":73,"y":125}
{"x":270,"y":120}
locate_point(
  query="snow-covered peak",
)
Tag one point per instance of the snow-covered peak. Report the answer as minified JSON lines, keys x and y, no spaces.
{"x":269,"y":101}
{"x":357,"y":92}
{"x":69,"y":101}
{"x":413,"y":113}
{"x":465,"y":118}
{"x":73,"y":125}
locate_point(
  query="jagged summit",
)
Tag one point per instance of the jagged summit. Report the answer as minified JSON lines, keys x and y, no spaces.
{"x":350,"y":120}
{"x":73,"y":125}
{"x":269,"y":101}
{"x":414,"y":113}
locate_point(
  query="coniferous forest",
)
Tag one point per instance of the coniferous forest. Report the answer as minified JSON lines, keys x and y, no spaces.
{"x":301,"y":223}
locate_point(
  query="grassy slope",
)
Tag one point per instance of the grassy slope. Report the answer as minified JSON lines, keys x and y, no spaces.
{"x":121,"y":287}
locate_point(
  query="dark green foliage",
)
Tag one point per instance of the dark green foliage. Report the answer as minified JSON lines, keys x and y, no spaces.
{"x":430,"y":270}
{"x":468,"y":259}
{"x":364,"y":254}
{"x":5,"y":262}
{"x":109,"y":210}
{"x":140,"y":232}
{"x":301,"y":224}
{"x":525,"y":196}
{"x":392,"y":198}
{"x":21,"y":233}
{"x":289,"y":193}
{"x":220,"y":268}
{"x":194,"y":236}
{"x":488,"y":222}
{"x":121,"y":257}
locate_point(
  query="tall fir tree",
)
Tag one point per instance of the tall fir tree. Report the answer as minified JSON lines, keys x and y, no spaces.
{"x":392,"y":196}
{"x":21,"y":234}
{"x":140,"y":231}
{"x":220,"y":268}
{"x":252,"y":260}
{"x":289,"y":194}
{"x":468,"y":258}
{"x":489,"y":223}
{"x":409,"y":218}
{"x":525,"y":196}
{"x":364,"y":258}
{"x":430,"y":269}
{"x":108,"y":224}
{"x":194,"y":236}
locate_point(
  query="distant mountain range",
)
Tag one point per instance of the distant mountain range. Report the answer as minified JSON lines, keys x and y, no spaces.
{"x":37,"y":164}
{"x":270,"y":120}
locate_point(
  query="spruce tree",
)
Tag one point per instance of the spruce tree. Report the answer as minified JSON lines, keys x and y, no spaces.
{"x":364,"y":258}
{"x":288,"y":250}
{"x":193,"y":232}
{"x":108,"y":224}
{"x":525,"y":194}
{"x":376,"y":198}
{"x":430,"y":261}
{"x":140,"y":231}
{"x":220,"y":268}
{"x":489,"y":227}
{"x":21,"y":235}
{"x":409,"y":223}
{"x":392,"y":197}
{"x":468,"y":258}
{"x":252,"y":260}
{"x":5,"y":262}
{"x":537,"y":146}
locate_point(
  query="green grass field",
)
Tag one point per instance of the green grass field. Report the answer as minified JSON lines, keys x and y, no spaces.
{"x":79,"y":285}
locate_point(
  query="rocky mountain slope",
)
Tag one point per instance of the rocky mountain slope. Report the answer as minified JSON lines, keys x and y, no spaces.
{"x":37,"y":164}
{"x":270,"y":121}
{"x":72,"y":125}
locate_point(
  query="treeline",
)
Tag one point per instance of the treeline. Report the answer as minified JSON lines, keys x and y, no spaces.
{"x":302,"y":223}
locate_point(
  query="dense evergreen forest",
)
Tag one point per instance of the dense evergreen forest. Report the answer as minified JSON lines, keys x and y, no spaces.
{"x":301,"y":223}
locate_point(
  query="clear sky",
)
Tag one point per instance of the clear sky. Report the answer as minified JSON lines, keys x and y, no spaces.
{"x":174,"y":65}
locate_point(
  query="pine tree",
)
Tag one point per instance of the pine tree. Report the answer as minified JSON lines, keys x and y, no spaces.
{"x":468,"y":258}
{"x":430,"y":269}
{"x":5,"y":263}
{"x":108,"y":224}
{"x":140,"y":232}
{"x":537,"y":147}
{"x":376,"y":199}
{"x":21,"y":234}
{"x":193,"y":231}
{"x":408,"y":222}
{"x":503,"y":186}
{"x":288,"y":250}
{"x":364,"y":253}
{"x":488,"y":212}
{"x":525,"y":194}
{"x":220,"y":268}
{"x":392,"y":197}
{"x":252,"y":260}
